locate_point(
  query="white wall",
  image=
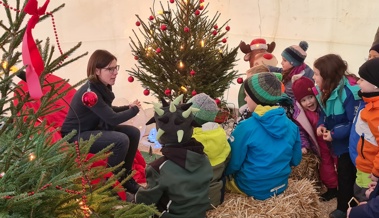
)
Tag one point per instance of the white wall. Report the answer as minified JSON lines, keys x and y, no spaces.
{"x":346,"y":27}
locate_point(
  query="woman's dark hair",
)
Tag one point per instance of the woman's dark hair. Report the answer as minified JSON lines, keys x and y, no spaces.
{"x":332,"y":69}
{"x":98,"y":60}
{"x":286,"y":75}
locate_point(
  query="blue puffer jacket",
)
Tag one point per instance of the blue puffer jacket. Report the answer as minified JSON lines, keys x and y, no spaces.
{"x":354,"y":136}
{"x":338,"y":114}
{"x":264,"y":147}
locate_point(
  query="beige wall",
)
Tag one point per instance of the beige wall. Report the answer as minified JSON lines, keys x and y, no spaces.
{"x":345,"y":27}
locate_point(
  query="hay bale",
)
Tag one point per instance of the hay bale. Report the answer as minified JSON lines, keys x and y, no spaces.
{"x":308,"y":169}
{"x":299,"y":200}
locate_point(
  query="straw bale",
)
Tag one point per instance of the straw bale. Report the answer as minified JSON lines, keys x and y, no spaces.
{"x":300,"y":200}
{"x":308,"y":169}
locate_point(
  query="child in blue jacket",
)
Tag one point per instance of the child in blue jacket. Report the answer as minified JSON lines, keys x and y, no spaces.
{"x":264,"y":146}
{"x":339,"y":102}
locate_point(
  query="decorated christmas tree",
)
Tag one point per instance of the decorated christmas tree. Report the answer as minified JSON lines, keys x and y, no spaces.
{"x":182,"y":51}
{"x":41,"y":174}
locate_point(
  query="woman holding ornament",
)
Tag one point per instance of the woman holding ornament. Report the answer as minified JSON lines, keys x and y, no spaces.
{"x":91,"y":112}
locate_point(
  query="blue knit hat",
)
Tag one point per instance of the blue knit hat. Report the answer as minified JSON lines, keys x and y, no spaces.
{"x":263,"y":88}
{"x":296,"y":54}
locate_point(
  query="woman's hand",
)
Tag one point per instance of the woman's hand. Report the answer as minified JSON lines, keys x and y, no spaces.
{"x":136,"y":103}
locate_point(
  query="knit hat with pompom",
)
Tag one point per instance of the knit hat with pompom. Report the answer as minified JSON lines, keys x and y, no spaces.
{"x":296,"y":54}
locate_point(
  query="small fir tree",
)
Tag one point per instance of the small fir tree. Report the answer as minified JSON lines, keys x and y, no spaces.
{"x":41,"y":176}
{"x":183,"y":52}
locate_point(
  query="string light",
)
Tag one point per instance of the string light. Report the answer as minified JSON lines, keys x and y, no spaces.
{"x":160,"y":12}
{"x":202,"y":43}
{"x":181,"y":65}
{"x":32,"y":157}
{"x":183,"y":89}
{"x":181,"y":47}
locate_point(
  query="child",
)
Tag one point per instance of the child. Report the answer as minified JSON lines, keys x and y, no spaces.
{"x":264,"y":146}
{"x":178,"y":182}
{"x":307,"y":115}
{"x":293,"y":64}
{"x":338,"y":101}
{"x":367,"y":161}
{"x":369,"y":209}
{"x":215,"y":143}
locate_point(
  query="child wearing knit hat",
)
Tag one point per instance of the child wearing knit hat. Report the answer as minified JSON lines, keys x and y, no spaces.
{"x":367,"y":162}
{"x":264,"y":146}
{"x":306,"y":116}
{"x":215,"y":143}
{"x":293,"y":64}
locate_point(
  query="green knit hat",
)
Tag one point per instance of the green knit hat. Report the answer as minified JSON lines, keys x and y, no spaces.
{"x":208,"y":108}
{"x":263,"y":88}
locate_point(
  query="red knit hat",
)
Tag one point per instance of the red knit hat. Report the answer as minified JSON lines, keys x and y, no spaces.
{"x":302,"y":87}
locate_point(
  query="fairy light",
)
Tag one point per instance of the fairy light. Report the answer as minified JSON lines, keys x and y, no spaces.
{"x":160,"y":12}
{"x":32,"y":157}
{"x":185,"y":1}
{"x":202,"y":43}
{"x":181,"y":47}
{"x":183,"y":89}
{"x":181,"y":65}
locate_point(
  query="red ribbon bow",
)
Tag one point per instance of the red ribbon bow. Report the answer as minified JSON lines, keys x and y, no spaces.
{"x":31,"y":57}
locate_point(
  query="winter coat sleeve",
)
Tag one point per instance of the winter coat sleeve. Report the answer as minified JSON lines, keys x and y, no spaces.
{"x":351,"y":105}
{"x":297,"y":155}
{"x":373,"y":125}
{"x":275,"y":69}
{"x":153,"y":192}
{"x":304,"y":138}
{"x":239,"y":146}
{"x":120,"y":108}
{"x":369,"y":210}
{"x":111,"y":117}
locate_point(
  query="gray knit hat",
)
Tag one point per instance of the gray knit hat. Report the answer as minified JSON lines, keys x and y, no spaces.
{"x":263,"y":88}
{"x":208,"y":108}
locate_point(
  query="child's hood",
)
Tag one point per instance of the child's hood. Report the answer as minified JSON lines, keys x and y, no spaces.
{"x":273,"y":119}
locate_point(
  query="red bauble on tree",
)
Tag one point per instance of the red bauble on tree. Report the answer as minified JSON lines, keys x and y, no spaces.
{"x":89,"y":98}
{"x":167,"y":92}
{"x":151,"y":17}
{"x":186,"y":29}
{"x":131,"y":79}
{"x":214,"y":32}
{"x":227,"y":28}
{"x":146,"y":92}
{"x":201,"y":7}
{"x":136,"y":57}
{"x":138,"y":23}
{"x":158,"y":50}
{"x":197,"y":12}
{"x":193,"y":93}
{"x":224,"y":40}
{"x":239,"y":80}
{"x":192,"y":73}
{"x":215,"y":27}
{"x":163,"y":27}
{"x":172,"y":1}
{"x":218,"y":101}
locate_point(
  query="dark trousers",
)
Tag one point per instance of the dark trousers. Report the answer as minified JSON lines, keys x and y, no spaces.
{"x":346,"y":179}
{"x":125,"y":139}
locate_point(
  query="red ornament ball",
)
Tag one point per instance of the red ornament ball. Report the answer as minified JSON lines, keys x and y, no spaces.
{"x":193,"y":73}
{"x":224,"y":40}
{"x":214,"y":32}
{"x":215,"y":26}
{"x":131,"y":79}
{"x":227,"y":28}
{"x":193,"y":93}
{"x":163,"y":27}
{"x":218,"y":101}
{"x":89,"y":98}
{"x":151,"y":17}
{"x":186,"y":29}
{"x":135,"y":57}
{"x":158,"y":50}
{"x":239,"y":80}
{"x":146,"y":92}
{"x":172,"y":1}
{"x":138,"y":23}
{"x":201,"y":1}
{"x":201,"y":7}
{"x":167,"y":92}
{"x":197,"y":12}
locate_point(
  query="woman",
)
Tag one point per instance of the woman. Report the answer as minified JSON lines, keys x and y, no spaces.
{"x":92,"y":118}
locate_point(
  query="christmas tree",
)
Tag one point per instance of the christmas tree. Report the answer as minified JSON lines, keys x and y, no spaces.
{"x":183,"y":52}
{"x":42,"y":175}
